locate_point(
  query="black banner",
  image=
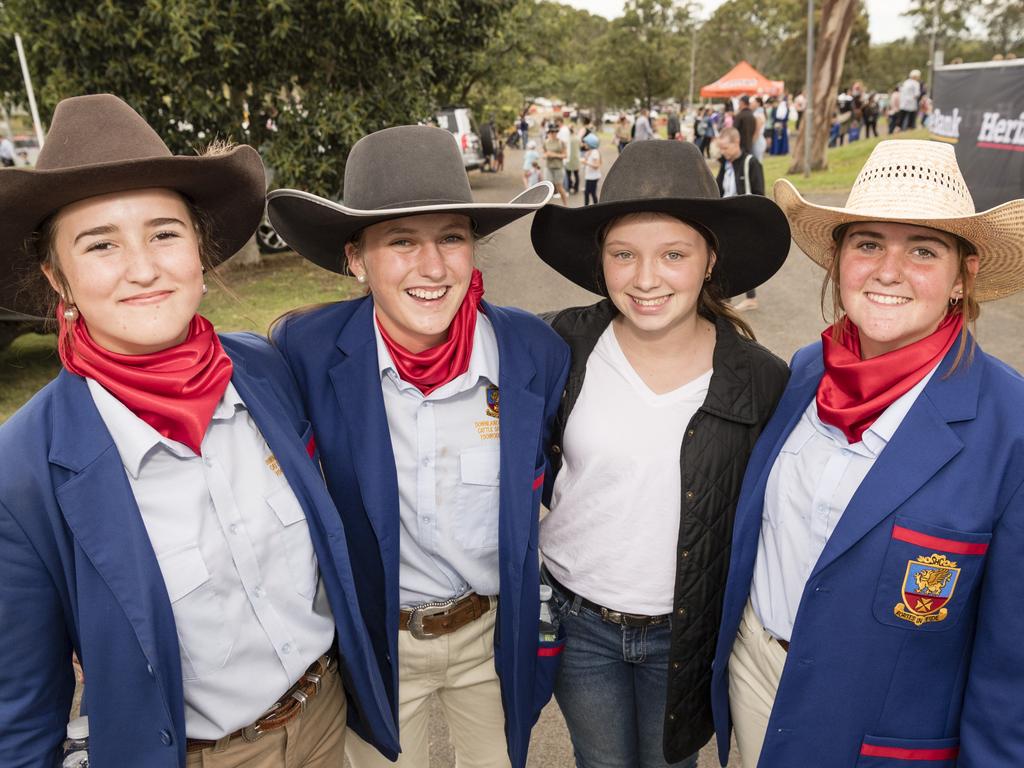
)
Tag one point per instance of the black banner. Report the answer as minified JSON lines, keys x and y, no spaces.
{"x":980,"y":109}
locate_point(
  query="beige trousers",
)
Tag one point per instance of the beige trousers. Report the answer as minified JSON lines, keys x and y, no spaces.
{"x":314,"y":739}
{"x":459,"y":668}
{"x":755,"y":668}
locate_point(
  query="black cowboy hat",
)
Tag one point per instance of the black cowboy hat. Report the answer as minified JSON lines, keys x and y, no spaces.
{"x":97,"y":145}
{"x":750,"y":232}
{"x":403,"y":171}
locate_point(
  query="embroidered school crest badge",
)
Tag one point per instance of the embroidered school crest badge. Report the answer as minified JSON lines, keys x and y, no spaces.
{"x":492,"y":401}
{"x":927,"y":586}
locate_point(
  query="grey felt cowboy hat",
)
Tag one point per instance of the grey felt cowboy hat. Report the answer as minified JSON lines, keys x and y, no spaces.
{"x":750,"y":232}
{"x":97,"y":145}
{"x":403,"y":171}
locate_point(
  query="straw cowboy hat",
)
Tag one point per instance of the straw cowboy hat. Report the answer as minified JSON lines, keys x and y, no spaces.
{"x":751,"y":234}
{"x":97,"y":145}
{"x":919,"y":183}
{"x":403,"y":171}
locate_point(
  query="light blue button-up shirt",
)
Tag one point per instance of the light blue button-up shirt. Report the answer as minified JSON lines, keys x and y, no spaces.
{"x":814,"y":477}
{"x":447,"y":456}
{"x":235,"y":554}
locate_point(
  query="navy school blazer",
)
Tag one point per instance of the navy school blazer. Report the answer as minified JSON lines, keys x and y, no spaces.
{"x":866,"y":683}
{"x":78,"y":572}
{"x":333,"y":354}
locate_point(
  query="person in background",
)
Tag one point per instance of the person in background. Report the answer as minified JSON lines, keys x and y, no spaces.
{"x":432,"y":409}
{"x":739,"y":173}
{"x":759,"y":143}
{"x":162,"y":510}
{"x":667,"y":393}
{"x":672,"y":126}
{"x":780,"y":122}
{"x":893,"y":112}
{"x":530,"y":158}
{"x":745,"y":123}
{"x":623,"y":133}
{"x":6,"y":152}
{"x":879,"y":533}
{"x":555,"y":152}
{"x":572,"y":162}
{"x":642,"y":130}
{"x":591,"y":169}
{"x":910,"y":93}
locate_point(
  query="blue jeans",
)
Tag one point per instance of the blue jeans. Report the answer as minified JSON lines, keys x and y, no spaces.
{"x":612,"y":688}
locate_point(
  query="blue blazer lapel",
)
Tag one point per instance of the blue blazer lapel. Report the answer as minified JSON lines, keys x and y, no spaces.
{"x":922,"y":445}
{"x":356,"y":381}
{"x":522,"y":412}
{"x":99,"y":507}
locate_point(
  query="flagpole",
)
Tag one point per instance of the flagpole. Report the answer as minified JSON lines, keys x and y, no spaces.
{"x":28,"y":87}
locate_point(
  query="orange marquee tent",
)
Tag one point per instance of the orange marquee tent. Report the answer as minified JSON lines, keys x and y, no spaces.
{"x":742,"y":79}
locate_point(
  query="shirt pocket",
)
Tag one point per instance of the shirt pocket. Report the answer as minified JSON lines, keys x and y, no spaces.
{"x":929,"y":576}
{"x":204,"y":636}
{"x":884,"y":752}
{"x":298,"y":545}
{"x":476,"y":510}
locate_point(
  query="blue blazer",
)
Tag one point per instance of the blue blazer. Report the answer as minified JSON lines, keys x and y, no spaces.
{"x":862,"y":686}
{"x":79,"y":573}
{"x":333,"y":353}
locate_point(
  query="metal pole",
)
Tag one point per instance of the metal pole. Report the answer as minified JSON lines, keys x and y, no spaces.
{"x":693,"y":63}
{"x":28,"y":88}
{"x":809,"y":87}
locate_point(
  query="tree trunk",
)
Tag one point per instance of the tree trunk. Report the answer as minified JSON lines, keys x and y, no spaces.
{"x":837,"y":17}
{"x":249,"y":256}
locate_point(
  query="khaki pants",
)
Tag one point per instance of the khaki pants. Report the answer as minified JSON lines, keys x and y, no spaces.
{"x":459,"y":668}
{"x":755,"y":668}
{"x":314,"y":739}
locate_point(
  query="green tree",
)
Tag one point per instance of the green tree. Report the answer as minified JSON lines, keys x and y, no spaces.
{"x":302,"y":80}
{"x":645,"y":54}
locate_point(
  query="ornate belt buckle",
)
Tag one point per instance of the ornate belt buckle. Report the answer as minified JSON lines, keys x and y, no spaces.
{"x":420,"y":612}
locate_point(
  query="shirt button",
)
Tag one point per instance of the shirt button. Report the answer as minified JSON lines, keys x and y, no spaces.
{"x":426,"y":462}
{"x":260,"y":592}
{"x":822,"y":508}
{"x":233,"y":528}
{"x":286,"y":648}
{"x":165,"y":737}
{"x":207,"y":461}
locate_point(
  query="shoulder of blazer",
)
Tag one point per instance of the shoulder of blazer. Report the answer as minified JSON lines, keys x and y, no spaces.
{"x":320,"y":325}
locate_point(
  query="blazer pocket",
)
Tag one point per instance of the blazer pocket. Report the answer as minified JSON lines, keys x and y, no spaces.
{"x":929,"y":575}
{"x":203,"y":635}
{"x":884,"y":752}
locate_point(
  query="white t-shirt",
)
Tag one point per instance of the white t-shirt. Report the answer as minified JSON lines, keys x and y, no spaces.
{"x":614,"y":522}
{"x":591,"y":172}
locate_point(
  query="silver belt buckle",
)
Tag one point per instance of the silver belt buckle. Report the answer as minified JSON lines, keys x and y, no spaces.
{"x":420,"y":612}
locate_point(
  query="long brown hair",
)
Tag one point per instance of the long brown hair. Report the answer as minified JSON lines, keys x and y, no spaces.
{"x":711,"y":303}
{"x":968,"y":306}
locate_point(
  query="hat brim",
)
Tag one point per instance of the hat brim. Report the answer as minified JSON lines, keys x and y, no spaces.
{"x":230,"y":188}
{"x":318,"y":228}
{"x":996,"y":234}
{"x":752,"y":235}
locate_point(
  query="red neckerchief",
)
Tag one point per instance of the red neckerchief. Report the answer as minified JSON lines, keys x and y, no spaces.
{"x":854,"y":392}
{"x":435,"y":367}
{"x":175,"y":390}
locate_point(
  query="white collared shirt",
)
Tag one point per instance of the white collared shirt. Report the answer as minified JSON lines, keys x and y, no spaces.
{"x":814,"y":477}
{"x":447,"y":456}
{"x":234,"y":550}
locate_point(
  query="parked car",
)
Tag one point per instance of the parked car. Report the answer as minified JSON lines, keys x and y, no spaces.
{"x":460,"y":121}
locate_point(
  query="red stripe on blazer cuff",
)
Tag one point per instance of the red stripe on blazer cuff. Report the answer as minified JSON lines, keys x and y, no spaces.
{"x":550,"y":651}
{"x":539,"y":481}
{"x":902,"y":753}
{"x":311,"y":447}
{"x":934,"y":542}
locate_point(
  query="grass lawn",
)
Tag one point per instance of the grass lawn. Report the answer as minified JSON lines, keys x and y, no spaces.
{"x":282,"y":282}
{"x":844,"y":163}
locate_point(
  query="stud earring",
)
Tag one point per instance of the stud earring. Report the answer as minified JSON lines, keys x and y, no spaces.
{"x":361,"y":278}
{"x":205,"y":289}
{"x":71,"y":313}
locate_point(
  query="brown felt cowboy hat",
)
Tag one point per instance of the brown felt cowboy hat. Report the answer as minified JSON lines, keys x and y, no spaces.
{"x":97,"y":145}
{"x":748,"y":232}
{"x":403,"y":171}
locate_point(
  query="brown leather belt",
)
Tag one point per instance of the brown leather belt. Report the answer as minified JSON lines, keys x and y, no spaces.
{"x":635,"y":620}
{"x":444,"y":617}
{"x":287,"y":708}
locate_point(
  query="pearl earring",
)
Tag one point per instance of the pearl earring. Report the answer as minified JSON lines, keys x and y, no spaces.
{"x":361,"y":278}
{"x":205,"y":289}
{"x":71,"y":313}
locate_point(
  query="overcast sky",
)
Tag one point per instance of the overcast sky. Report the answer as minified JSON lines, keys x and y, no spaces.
{"x":886,"y":22}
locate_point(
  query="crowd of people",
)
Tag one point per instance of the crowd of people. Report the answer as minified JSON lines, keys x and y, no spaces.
{"x":270,"y":553}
